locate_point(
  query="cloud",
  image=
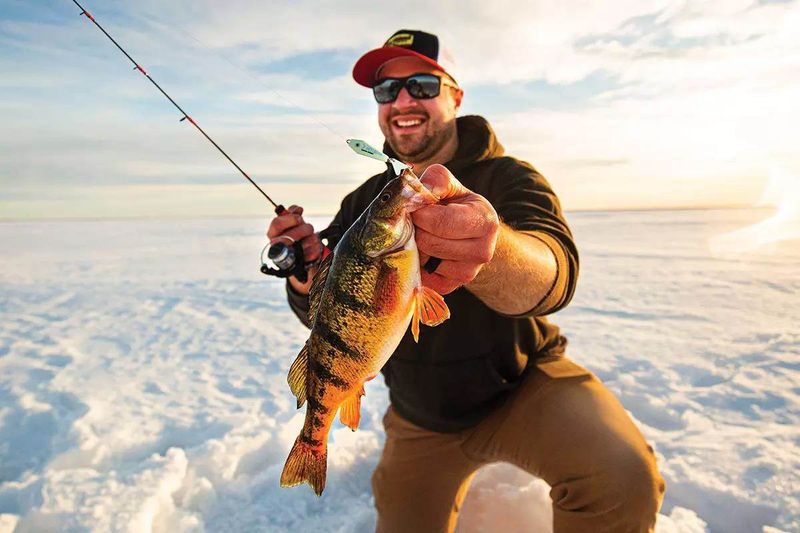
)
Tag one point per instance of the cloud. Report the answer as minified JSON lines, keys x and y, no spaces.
{"x":662,"y":101}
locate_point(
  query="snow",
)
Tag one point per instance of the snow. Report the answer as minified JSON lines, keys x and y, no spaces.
{"x":143,"y":364}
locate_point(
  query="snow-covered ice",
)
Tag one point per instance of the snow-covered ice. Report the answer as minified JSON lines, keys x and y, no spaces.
{"x":143,"y":364}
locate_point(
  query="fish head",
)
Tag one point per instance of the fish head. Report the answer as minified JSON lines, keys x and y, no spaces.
{"x":388,"y":226}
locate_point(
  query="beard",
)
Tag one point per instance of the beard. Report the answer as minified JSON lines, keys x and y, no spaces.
{"x":418,"y":147}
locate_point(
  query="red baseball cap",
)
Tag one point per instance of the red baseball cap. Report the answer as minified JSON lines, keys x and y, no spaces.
{"x":404,"y":43}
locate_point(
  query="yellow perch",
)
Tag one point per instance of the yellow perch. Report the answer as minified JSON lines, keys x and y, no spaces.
{"x":361,"y":302}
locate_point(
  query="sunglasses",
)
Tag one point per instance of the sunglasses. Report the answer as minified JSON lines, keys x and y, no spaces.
{"x":419,"y":86}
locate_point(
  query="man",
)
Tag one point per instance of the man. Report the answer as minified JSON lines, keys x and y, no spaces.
{"x":492,"y":383}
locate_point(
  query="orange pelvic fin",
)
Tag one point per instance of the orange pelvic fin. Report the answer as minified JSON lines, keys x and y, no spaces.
{"x":306,"y":464}
{"x":350,"y":410}
{"x":297,"y":376}
{"x":429,"y":308}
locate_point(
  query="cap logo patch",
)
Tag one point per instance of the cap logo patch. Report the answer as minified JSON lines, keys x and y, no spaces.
{"x":401,"y":39}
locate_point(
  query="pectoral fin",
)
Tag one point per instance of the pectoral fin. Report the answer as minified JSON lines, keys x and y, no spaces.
{"x":350,"y":410}
{"x":297,"y":376}
{"x":429,"y":308}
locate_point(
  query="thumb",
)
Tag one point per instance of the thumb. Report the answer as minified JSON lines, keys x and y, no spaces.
{"x":442,"y":183}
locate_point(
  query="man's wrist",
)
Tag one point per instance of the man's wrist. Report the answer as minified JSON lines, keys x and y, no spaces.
{"x":487,"y":271}
{"x":520,"y":275}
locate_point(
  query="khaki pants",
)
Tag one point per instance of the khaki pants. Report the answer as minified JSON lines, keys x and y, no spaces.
{"x":561,"y":424}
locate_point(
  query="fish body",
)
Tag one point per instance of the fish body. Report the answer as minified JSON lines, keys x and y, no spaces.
{"x":362,"y":300}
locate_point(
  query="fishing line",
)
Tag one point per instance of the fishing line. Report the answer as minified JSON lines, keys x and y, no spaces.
{"x":278,"y":208}
{"x":250,"y":75}
{"x":287,"y":257}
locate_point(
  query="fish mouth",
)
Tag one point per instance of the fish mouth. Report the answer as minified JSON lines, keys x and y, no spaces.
{"x":415,"y":192}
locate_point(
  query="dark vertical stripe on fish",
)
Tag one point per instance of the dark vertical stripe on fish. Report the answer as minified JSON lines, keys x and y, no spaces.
{"x":315,"y":443}
{"x":323,"y":373}
{"x":351,"y":301}
{"x":333,"y":338}
{"x":316,"y":406}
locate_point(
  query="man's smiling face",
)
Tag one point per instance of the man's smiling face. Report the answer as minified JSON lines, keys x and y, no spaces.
{"x":417,"y":129}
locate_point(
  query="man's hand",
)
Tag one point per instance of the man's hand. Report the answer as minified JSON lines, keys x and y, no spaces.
{"x":461,"y":230}
{"x":291,"y":224}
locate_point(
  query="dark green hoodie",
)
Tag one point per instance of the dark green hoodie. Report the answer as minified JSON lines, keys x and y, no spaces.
{"x":463,"y":368}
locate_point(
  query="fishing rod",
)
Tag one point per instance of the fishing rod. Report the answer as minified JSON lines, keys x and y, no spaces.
{"x":287,"y":257}
{"x":278,"y":208}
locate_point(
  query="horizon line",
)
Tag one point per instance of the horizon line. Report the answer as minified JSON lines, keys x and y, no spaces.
{"x":4,"y":220}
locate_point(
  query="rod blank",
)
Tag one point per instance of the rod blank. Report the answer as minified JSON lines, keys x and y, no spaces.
{"x":278,"y":208}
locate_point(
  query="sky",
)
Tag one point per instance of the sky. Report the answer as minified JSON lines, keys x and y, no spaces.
{"x":628,"y":104}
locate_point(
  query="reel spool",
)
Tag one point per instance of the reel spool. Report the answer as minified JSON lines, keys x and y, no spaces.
{"x":287,"y":255}
{"x":287,"y":258}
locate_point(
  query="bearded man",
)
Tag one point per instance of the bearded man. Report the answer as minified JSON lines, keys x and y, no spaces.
{"x":493,"y":383}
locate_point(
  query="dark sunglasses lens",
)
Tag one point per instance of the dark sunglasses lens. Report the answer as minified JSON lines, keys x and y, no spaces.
{"x":423,"y":86}
{"x":386,"y":91}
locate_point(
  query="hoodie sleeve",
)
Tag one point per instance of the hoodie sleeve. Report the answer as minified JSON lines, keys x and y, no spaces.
{"x":298,"y":304}
{"x":525,"y":201}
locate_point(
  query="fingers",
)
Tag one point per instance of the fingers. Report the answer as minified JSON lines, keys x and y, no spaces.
{"x":439,"y":283}
{"x":458,"y":272}
{"x":281,"y":223}
{"x":291,"y":224}
{"x":463,"y":213}
{"x":312,"y":248}
{"x":298,"y":232}
{"x":450,"y":275}
{"x":290,"y":218}
{"x":442,"y":183}
{"x":312,"y":245}
{"x":462,"y":231}
{"x":471,"y":217}
{"x":476,"y":250}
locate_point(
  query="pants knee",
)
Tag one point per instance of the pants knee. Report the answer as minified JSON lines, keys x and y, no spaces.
{"x":642,"y":485}
{"x":624,"y":480}
{"x":376,"y":482}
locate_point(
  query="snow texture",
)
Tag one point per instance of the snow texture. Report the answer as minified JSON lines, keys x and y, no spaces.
{"x":143,"y":364}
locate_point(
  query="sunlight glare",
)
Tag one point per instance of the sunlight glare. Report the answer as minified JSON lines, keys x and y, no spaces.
{"x":783,"y":192}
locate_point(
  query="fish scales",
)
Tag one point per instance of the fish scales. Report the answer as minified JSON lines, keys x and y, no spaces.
{"x":362,"y":300}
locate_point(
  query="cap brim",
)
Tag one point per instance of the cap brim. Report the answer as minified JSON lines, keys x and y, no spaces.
{"x":367,"y":66}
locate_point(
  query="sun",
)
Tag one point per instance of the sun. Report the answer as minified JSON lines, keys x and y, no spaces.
{"x":782,"y":192}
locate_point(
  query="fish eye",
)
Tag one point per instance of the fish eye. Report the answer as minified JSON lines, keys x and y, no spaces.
{"x":385,"y":198}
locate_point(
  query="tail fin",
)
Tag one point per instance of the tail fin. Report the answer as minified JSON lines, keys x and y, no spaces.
{"x":306,"y":464}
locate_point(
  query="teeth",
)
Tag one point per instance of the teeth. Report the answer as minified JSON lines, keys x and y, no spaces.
{"x":407,"y":123}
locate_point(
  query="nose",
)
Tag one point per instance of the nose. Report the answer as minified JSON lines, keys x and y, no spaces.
{"x":405,"y":100}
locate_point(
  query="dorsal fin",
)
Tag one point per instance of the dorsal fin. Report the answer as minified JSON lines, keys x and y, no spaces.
{"x":315,"y":293}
